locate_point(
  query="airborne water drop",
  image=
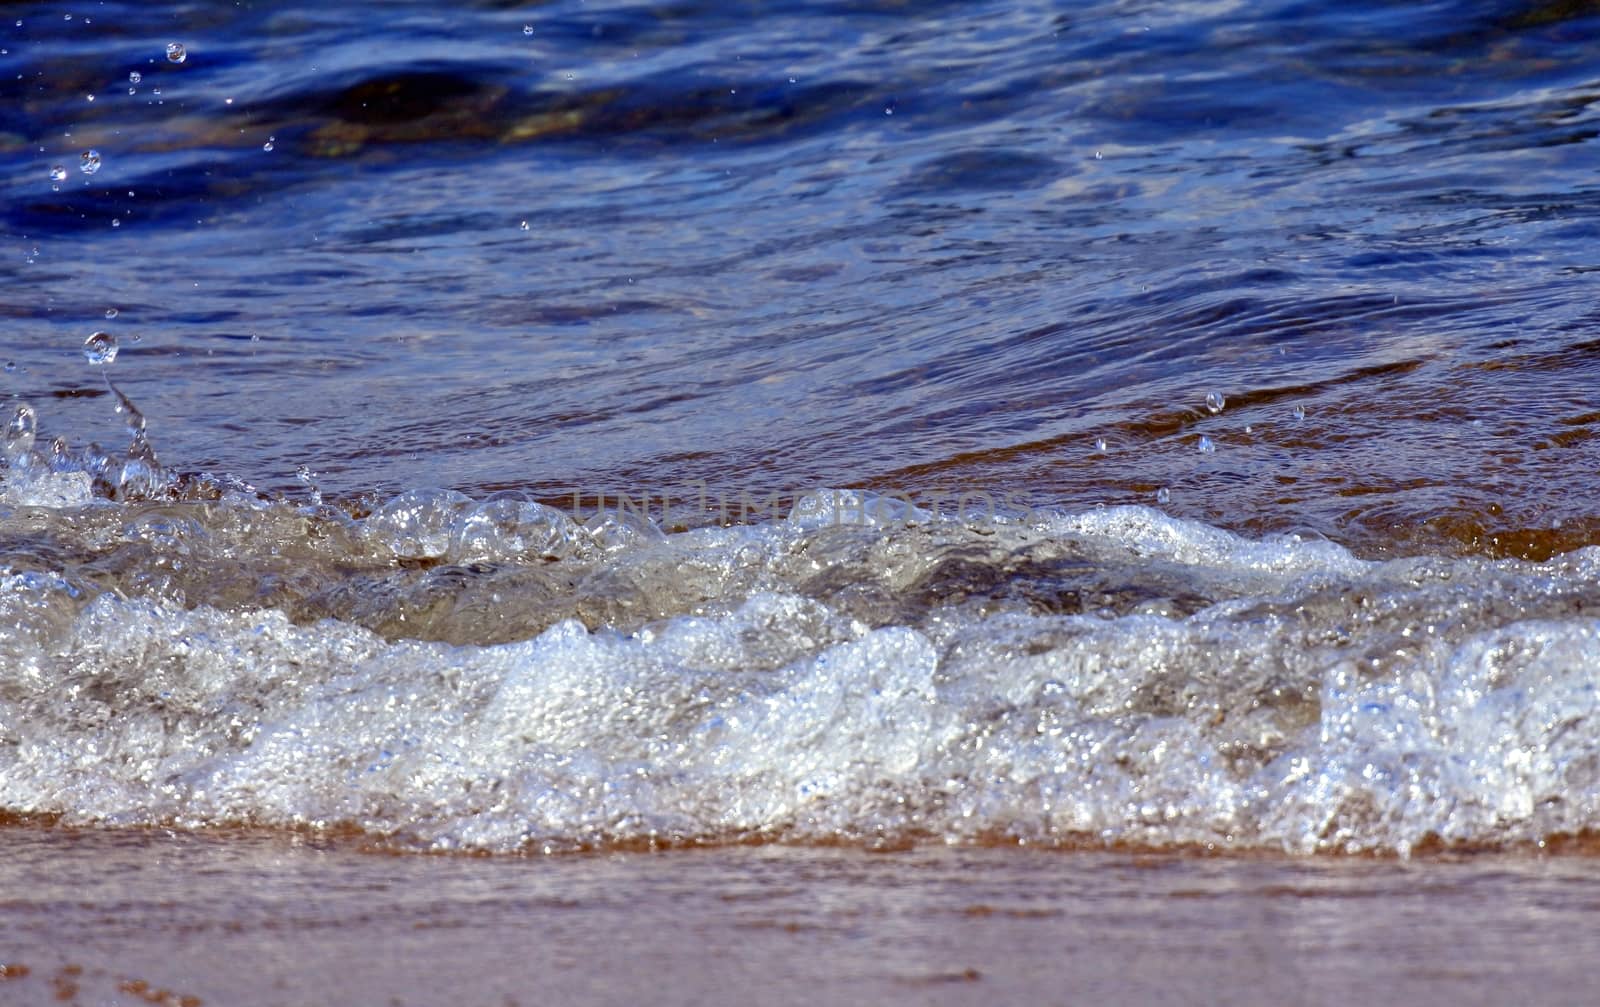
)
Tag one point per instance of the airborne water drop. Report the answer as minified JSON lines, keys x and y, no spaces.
{"x":20,"y":431}
{"x":176,"y":53}
{"x":89,"y":162}
{"x":100,"y":349}
{"x":1215,"y":401}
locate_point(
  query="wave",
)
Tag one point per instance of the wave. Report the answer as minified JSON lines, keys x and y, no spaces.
{"x":446,"y":673}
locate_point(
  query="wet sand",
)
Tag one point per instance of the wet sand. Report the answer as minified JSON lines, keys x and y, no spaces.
{"x":148,"y":917}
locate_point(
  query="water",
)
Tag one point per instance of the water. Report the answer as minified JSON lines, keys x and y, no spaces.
{"x":483,"y":374}
{"x":929,"y":926}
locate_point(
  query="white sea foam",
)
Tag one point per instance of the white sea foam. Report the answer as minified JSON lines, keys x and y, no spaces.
{"x":455,"y":674}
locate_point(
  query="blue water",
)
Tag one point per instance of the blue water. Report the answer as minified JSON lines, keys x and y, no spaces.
{"x":373,"y":264}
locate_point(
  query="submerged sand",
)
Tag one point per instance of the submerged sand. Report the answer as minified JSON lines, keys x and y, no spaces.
{"x":110,"y":918}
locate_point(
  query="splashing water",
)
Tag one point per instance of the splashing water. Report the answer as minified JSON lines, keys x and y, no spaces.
{"x":19,"y":434}
{"x":100,"y":349}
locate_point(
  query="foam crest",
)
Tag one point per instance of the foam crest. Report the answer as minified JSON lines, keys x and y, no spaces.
{"x":454,"y":674}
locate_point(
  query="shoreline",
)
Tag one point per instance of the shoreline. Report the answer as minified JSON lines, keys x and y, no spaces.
{"x":146,"y":916}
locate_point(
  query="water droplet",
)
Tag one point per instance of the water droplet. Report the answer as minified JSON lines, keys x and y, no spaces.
{"x":1207,"y":446}
{"x":21,"y":429}
{"x":1097,"y":156}
{"x":1299,"y":412}
{"x":527,"y":29}
{"x":524,"y":225}
{"x":100,"y":349}
{"x":176,"y":52}
{"x":227,"y":101}
{"x":1215,"y":401}
{"x":135,"y":77}
{"x":133,"y":90}
{"x":58,"y":173}
{"x":116,"y":223}
{"x":111,"y":312}
{"x":1163,"y":495}
{"x":90,"y":97}
{"x":89,"y":162}
{"x":268,"y":145}
{"x":11,"y":366}
{"x":1100,"y":445}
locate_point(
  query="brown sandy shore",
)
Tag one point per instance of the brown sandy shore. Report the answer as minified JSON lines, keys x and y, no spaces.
{"x":141,"y":917}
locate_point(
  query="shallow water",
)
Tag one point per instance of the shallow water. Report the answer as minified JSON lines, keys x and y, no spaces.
{"x":1218,"y":381}
{"x":134,"y":918}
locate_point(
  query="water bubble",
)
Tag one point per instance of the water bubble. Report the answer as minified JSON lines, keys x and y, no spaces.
{"x":58,"y":173}
{"x":111,"y":312}
{"x":268,"y":145}
{"x":1163,"y":495}
{"x":1215,"y":401}
{"x":1100,"y":445}
{"x":135,"y":77}
{"x":21,"y":429}
{"x":89,"y":162}
{"x":100,"y":349}
{"x":527,"y":29}
{"x":176,"y":52}
{"x":1207,"y":446}
{"x":11,"y":366}
{"x":1299,"y":412}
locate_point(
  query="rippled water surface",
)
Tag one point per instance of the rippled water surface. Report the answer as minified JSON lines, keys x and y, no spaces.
{"x":1215,"y":384}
